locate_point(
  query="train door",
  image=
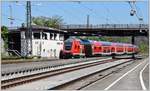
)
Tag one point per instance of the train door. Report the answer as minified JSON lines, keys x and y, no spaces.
{"x":88,"y":50}
{"x":82,"y":52}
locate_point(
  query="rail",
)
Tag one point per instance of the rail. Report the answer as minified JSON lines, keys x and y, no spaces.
{"x":102,"y":64}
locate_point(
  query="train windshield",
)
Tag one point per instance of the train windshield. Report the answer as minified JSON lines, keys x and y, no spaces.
{"x":68,"y":44}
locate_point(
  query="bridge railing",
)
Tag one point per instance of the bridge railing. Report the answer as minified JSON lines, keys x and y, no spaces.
{"x":74,"y":26}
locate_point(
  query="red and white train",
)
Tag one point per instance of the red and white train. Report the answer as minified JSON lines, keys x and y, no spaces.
{"x":74,"y":47}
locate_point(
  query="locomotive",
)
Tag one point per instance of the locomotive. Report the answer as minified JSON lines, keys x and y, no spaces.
{"x":74,"y":47}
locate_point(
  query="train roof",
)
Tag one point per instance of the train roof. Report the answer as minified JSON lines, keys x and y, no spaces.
{"x":105,"y":43}
{"x":84,"y":41}
{"x":71,"y":39}
{"x":119,"y":44}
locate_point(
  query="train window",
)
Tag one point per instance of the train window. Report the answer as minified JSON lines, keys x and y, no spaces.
{"x":68,"y":45}
{"x":36,"y":42}
{"x":75,"y":47}
{"x":36,"y":35}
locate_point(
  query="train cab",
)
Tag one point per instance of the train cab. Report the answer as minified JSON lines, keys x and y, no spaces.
{"x":71,"y":48}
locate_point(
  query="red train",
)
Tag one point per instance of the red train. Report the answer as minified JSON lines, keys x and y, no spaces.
{"x":74,"y":47}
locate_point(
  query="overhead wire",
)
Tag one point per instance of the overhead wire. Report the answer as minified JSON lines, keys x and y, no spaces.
{"x":139,"y":12}
{"x":113,"y":17}
{"x":136,"y":10}
{"x":109,"y":12}
{"x":18,"y":19}
{"x":94,"y":12}
{"x":64,"y":11}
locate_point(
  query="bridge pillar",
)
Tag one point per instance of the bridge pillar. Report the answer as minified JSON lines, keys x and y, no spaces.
{"x":133,"y":42}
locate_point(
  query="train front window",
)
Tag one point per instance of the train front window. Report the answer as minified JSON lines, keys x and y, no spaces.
{"x":68,"y":45}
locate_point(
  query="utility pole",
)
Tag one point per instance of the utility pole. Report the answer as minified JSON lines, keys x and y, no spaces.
{"x":29,"y":30}
{"x":10,"y":18}
{"x":87,"y":21}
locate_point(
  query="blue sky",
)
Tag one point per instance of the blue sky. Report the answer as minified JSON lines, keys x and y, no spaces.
{"x":75,"y":13}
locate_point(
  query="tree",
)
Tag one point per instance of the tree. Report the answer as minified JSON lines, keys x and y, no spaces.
{"x":53,"y":22}
{"x":143,"y":47}
{"x":4,"y":35}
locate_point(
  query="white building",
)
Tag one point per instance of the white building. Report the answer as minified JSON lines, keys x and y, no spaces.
{"x":46,"y":42}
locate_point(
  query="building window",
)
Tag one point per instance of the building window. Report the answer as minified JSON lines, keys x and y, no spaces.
{"x":55,"y":35}
{"x":44,"y":36}
{"x":36,"y":42}
{"x":36,"y":35}
{"x":61,"y":37}
{"x":51,"y":36}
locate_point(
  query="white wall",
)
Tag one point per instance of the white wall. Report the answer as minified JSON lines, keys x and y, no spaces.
{"x":43,"y":47}
{"x":46,"y":47}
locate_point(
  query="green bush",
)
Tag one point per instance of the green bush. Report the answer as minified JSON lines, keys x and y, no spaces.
{"x":4,"y":35}
{"x":144,"y":48}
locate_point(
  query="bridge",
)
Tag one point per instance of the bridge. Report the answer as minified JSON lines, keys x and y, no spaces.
{"x":106,"y":30}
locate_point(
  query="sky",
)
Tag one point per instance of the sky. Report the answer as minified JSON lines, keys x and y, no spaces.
{"x":99,"y":12}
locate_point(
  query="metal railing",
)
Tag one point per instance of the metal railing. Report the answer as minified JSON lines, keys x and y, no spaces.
{"x":114,"y":26}
{"x":15,"y":52}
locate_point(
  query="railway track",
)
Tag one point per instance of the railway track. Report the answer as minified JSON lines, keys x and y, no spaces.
{"x":10,"y":70}
{"x":8,"y":83}
{"x":83,"y":82}
{"x":28,"y":78}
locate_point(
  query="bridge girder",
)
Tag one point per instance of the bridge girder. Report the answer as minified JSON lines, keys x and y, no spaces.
{"x":105,"y":30}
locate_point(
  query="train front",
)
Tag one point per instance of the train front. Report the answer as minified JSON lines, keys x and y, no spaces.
{"x":67,"y":50}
